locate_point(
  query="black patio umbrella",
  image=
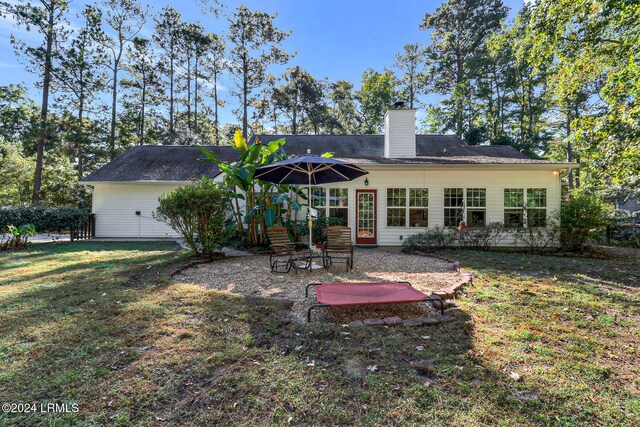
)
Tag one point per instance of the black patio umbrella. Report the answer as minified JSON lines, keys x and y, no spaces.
{"x":310,"y":170}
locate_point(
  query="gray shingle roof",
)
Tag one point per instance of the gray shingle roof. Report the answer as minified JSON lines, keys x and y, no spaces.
{"x":160,"y":163}
{"x":180,"y":163}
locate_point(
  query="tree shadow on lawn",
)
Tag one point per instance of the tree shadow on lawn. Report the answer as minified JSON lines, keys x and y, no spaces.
{"x":177,"y":354}
{"x":61,"y":335}
{"x":337,"y":375}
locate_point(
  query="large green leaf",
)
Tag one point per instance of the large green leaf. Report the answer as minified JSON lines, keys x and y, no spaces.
{"x":210,"y":156}
{"x":269,"y":216}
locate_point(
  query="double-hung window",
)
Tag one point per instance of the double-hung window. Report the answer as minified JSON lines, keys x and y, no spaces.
{"x":319,"y":201}
{"x":476,"y":207}
{"x":339,"y":203}
{"x":396,"y":207}
{"x":536,"y":207}
{"x":418,"y":207}
{"x":453,"y":203}
{"x":513,"y":207}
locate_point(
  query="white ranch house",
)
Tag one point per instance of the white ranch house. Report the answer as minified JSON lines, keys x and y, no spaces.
{"x":414,"y":182}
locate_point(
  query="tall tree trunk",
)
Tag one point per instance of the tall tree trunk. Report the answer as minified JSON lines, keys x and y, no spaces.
{"x":171,"y":108}
{"x":114,"y":98}
{"x":195,"y":98}
{"x":189,"y":92}
{"x":244,"y":97}
{"x":215,"y":106}
{"x":80,"y":136}
{"x":569,"y":147}
{"x":44,"y":110}
{"x":143,"y":103}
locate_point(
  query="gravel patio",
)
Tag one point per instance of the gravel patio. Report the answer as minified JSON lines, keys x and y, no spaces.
{"x":249,"y":276}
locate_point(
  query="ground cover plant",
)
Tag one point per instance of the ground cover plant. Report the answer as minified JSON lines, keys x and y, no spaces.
{"x":538,"y":340}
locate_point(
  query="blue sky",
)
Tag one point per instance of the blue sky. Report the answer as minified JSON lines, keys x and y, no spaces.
{"x":337,"y":39}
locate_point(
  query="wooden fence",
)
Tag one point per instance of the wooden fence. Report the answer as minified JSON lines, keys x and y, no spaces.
{"x":87,"y":230}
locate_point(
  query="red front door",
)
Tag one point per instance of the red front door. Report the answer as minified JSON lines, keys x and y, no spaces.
{"x":366,"y":218}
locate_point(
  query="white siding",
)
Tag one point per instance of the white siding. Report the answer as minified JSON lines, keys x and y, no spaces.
{"x":436,"y":180}
{"x":115,"y":206}
{"x":400,"y":134}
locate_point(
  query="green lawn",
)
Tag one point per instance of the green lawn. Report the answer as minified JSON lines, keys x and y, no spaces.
{"x":102,"y":326}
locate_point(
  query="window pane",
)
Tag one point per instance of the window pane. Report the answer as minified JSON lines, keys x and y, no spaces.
{"x":513,"y":217}
{"x":419,"y":197}
{"x":453,"y":197}
{"x":451,"y":217}
{"x":476,"y":217}
{"x":477,"y":197}
{"x":342,"y":213}
{"x":339,"y":197}
{"x":396,"y":197}
{"x":418,"y":217}
{"x":537,"y":197}
{"x":318,"y":197}
{"x":536,"y":217}
{"x":396,"y":217}
{"x":513,"y":197}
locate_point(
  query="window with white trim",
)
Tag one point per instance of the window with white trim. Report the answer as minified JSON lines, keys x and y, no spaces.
{"x":453,"y":203}
{"x":536,"y":207}
{"x":418,"y":207}
{"x":339,"y":203}
{"x":476,"y":207}
{"x":396,"y":207}
{"x":514,"y":207}
{"x":319,"y":201}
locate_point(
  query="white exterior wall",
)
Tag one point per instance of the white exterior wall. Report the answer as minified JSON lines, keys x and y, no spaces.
{"x":436,"y":180}
{"x":115,"y":206}
{"x":400,"y":134}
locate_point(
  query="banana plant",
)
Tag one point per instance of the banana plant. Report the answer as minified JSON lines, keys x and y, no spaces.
{"x":258,"y":195}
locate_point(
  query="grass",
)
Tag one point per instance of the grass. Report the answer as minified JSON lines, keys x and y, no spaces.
{"x":102,"y":326}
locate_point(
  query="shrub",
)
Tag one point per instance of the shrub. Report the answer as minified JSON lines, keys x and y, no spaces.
{"x":429,"y":240}
{"x":200,"y":212}
{"x":580,"y":217}
{"x":44,"y":218}
{"x":484,"y":237}
{"x":537,"y":239}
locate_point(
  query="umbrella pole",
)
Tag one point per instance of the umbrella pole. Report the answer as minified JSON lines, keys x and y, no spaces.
{"x":310,"y":220}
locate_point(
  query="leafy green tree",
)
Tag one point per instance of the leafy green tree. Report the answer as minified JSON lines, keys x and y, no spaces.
{"x":46,"y":17}
{"x":81,"y":77}
{"x":123,"y":20}
{"x":19,"y":116}
{"x":254,"y":45}
{"x":168,"y":27}
{"x":375,"y":96}
{"x":343,"y":107}
{"x":300,"y":98}
{"x":593,"y":45}
{"x":411,"y":77}
{"x":522,"y":119}
{"x":214,"y":67}
{"x":144,"y":84}
{"x":459,"y":30}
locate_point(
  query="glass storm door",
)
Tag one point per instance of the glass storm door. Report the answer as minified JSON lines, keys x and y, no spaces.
{"x":366,"y":220}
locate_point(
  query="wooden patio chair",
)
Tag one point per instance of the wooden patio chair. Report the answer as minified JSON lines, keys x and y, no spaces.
{"x":338,"y":246}
{"x":284,"y":253}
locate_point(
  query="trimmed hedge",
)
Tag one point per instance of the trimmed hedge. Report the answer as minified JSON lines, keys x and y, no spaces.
{"x":44,"y":218}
